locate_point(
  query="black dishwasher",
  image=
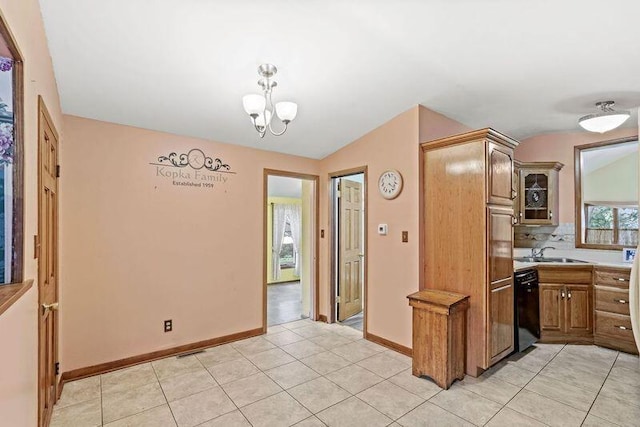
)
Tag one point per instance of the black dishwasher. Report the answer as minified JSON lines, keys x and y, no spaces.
{"x":527,"y":309}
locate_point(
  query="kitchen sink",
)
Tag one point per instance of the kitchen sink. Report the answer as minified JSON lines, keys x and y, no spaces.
{"x":561,"y":260}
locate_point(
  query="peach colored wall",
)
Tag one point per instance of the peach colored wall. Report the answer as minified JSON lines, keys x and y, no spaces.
{"x":138,"y":250}
{"x":18,"y":325}
{"x":560,"y":147}
{"x":393,"y":266}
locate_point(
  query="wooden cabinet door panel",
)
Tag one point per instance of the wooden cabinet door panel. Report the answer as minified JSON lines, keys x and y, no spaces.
{"x":500,"y":171}
{"x":501,"y":322}
{"x":500,"y":244}
{"x":579,"y":309}
{"x":551,"y":307}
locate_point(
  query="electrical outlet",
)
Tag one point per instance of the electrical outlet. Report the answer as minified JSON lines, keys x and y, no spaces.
{"x":405,"y":236}
{"x":168,"y":325}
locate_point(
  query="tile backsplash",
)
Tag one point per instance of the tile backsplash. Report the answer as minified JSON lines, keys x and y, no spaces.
{"x":561,"y":237}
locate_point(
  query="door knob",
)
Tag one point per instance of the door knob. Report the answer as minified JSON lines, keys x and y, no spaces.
{"x":52,"y":306}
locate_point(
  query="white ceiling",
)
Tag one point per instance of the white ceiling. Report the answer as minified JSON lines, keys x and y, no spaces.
{"x":281,"y":186}
{"x":523,"y":67}
{"x":602,"y":156}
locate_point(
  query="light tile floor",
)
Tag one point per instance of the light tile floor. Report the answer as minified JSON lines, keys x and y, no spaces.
{"x":354,"y":321}
{"x":284,"y":303}
{"x":313,"y":374}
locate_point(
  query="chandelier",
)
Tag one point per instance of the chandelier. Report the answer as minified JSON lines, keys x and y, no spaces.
{"x":604,"y":120}
{"x":260,"y":108}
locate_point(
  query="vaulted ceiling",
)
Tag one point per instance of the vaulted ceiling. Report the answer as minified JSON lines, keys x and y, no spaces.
{"x":523,"y":67}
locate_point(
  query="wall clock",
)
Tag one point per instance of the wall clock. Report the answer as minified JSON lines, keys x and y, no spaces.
{"x":390,"y":184}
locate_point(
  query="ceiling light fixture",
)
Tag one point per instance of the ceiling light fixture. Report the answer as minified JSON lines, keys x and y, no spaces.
{"x":260,"y":107}
{"x":605,"y":120}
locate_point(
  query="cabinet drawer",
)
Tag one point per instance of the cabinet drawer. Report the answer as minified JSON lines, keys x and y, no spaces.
{"x":617,"y":278}
{"x":614,"y":325}
{"x":612,"y":300}
{"x":562,"y":274}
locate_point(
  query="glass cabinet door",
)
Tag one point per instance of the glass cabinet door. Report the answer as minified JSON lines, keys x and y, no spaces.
{"x":536,"y":196}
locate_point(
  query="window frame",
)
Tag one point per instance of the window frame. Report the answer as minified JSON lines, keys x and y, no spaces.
{"x":581,"y":208}
{"x":287,"y":266}
{"x":615,"y":212}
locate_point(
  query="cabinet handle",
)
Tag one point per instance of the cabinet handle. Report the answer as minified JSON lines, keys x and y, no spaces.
{"x":621,"y":279}
{"x":569,"y":295}
{"x":621,"y":301}
{"x":514,"y":220}
{"x":624,"y":328}
{"x":550,"y":215}
{"x":562,"y":294}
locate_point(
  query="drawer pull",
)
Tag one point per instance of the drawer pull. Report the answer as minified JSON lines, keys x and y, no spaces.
{"x":562,"y":294}
{"x":621,"y":301}
{"x":621,"y":279}
{"x":624,"y":328}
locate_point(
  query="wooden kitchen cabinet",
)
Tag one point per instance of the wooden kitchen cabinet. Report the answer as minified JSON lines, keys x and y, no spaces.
{"x":516,"y":186}
{"x":551,"y":307}
{"x":566,"y":304}
{"x":500,"y":175}
{"x":439,"y":327}
{"x":612,"y":320}
{"x":468,"y":219}
{"x":501,"y":322}
{"x":538,"y":193}
{"x":579,"y":310}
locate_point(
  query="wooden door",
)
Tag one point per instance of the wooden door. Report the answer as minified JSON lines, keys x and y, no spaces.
{"x":501,"y":309}
{"x":501,"y":322}
{"x":552,"y":307}
{"x":500,"y":170}
{"x":579,"y":309}
{"x":500,"y":244}
{"x":350,"y":249}
{"x":47,"y":253}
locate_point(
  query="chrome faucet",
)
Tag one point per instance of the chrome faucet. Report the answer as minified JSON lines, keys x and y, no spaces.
{"x":539,"y":252}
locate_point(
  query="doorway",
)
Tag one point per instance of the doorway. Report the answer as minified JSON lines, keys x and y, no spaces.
{"x":47,"y":253}
{"x":348,"y":243}
{"x":290,"y":244}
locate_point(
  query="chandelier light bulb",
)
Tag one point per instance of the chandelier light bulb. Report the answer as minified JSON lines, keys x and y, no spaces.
{"x":260,"y":119}
{"x":287,"y":111}
{"x":254,"y":104}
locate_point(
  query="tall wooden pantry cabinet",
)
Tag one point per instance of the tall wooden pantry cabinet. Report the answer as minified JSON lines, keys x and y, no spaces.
{"x":467,"y":235}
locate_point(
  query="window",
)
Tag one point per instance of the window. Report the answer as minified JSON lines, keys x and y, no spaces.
{"x":287,"y":253}
{"x":611,"y":225}
{"x":10,"y":159}
{"x":607,"y":194}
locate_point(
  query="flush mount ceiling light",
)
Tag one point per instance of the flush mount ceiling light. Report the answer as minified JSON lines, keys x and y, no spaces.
{"x":605,"y":120}
{"x":260,"y":108}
